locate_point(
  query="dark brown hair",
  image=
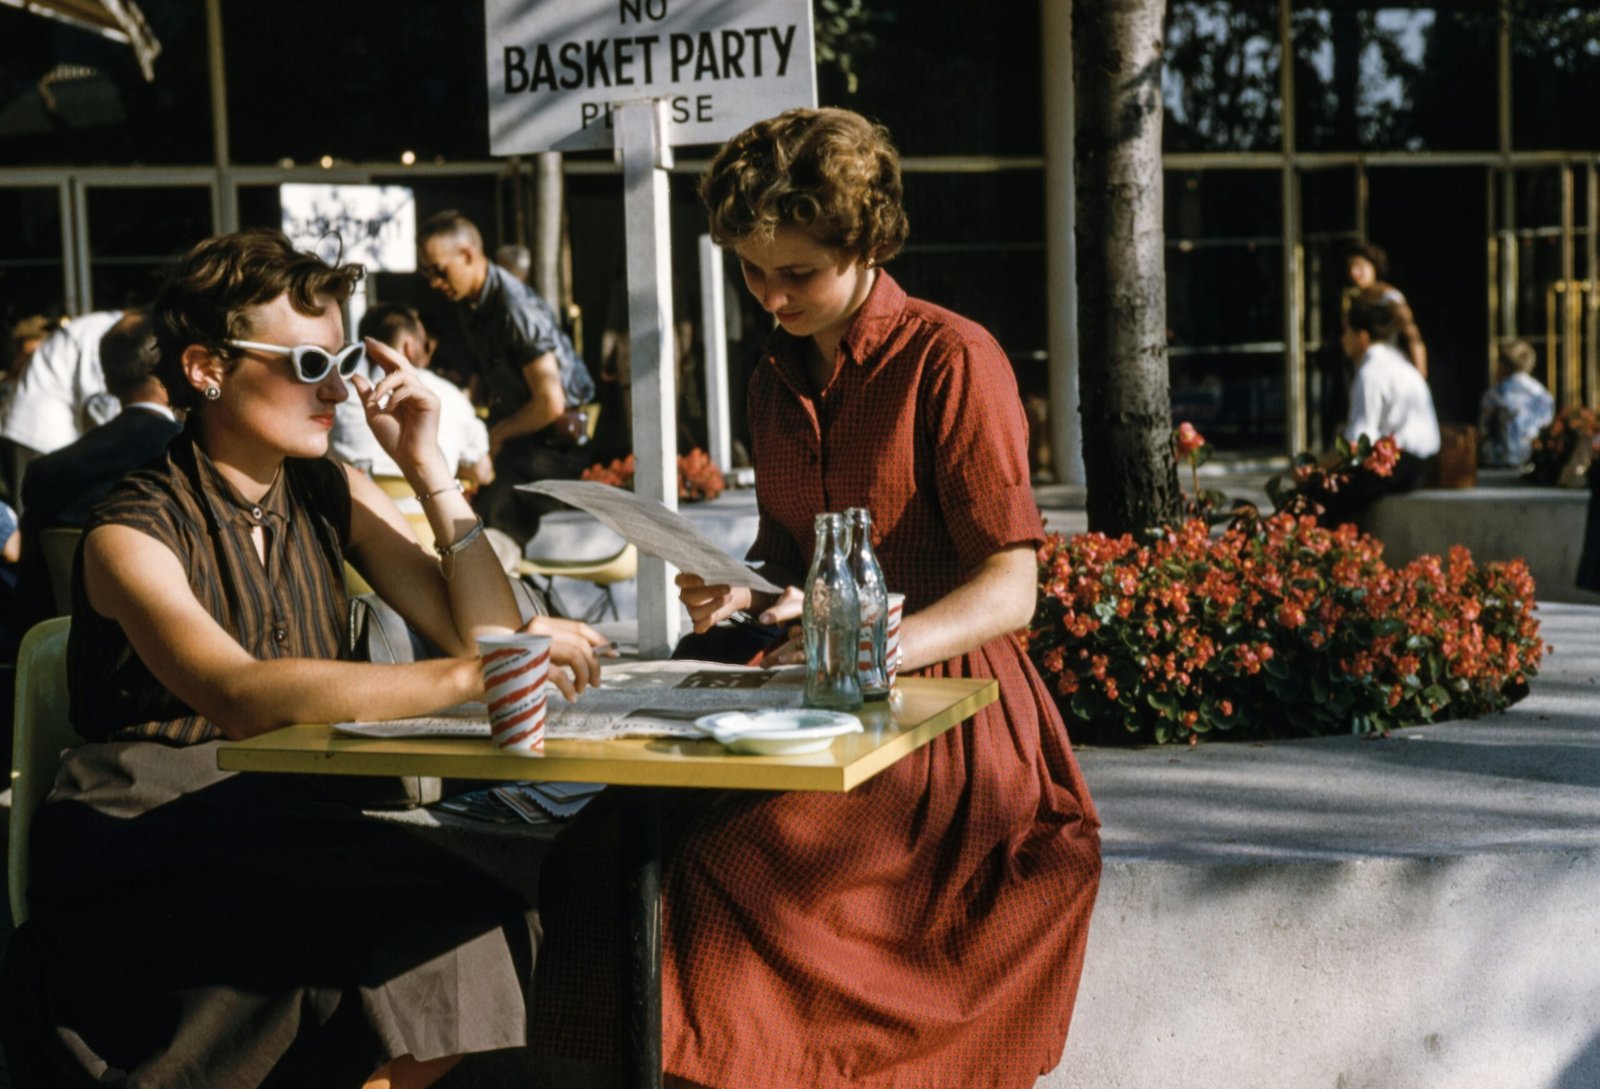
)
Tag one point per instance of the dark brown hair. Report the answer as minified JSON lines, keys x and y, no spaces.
{"x":829,"y":172}
{"x":1376,"y":312}
{"x":387,"y":322}
{"x":205,"y":299}
{"x":128,"y":354}
{"x":1374,"y":254}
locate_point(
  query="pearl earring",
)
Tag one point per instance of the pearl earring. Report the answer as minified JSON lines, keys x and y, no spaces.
{"x":212,"y":393}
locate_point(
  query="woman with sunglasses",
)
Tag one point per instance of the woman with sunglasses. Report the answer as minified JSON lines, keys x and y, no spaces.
{"x":201,"y":928}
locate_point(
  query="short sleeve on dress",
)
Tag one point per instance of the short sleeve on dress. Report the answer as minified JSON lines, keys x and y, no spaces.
{"x":981,"y":452}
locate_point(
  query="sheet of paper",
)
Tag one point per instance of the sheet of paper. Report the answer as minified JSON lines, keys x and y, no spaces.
{"x":654,"y":529}
{"x":639,"y":699}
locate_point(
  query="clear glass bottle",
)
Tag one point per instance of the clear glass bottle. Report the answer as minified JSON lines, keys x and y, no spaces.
{"x":831,"y":619}
{"x":874,"y":602}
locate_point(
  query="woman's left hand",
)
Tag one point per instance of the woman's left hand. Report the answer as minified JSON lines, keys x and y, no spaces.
{"x":402,"y":412}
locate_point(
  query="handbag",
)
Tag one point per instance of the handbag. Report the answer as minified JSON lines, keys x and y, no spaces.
{"x":378,"y":633}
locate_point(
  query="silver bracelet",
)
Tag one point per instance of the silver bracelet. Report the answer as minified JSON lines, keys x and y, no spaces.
{"x":447,"y":553}
{"x":453,"y":486}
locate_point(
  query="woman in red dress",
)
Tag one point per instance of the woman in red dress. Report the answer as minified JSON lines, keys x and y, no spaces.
{"x":926,"y":929}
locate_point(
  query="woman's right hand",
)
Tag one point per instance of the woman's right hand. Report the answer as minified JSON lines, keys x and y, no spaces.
{"x":710,"y":604}
{"x":573,"y":646}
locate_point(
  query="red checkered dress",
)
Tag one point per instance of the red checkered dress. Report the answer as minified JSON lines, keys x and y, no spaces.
{"x":927,"y":929}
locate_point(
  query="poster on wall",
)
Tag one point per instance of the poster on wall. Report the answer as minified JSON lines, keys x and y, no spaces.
{"x":374,"y":225}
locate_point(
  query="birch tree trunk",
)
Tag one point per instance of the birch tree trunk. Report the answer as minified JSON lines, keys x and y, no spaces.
{"x":1124,"y":389}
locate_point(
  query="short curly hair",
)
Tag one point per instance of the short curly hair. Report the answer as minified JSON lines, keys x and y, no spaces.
{"x":203,"y":301}
{"x":830,"y":172}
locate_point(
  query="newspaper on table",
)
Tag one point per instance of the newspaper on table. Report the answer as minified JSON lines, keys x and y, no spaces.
{"x":656,"y":530}
{"x":639,"y":699}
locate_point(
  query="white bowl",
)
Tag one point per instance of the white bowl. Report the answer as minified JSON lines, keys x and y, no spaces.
{"x":777,"y":733}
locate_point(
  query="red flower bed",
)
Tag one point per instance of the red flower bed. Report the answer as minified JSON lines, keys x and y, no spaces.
{"x":698,"y":477}
{"x":1275,"y":628}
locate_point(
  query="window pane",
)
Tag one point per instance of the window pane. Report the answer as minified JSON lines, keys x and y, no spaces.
{"x":1328,"y":225}
{"x":1555,"y":63}
{"x":976,"y":247}
{"x":360,"y":80}
{"x":1224,"y":258}
{"x":31,"y":269}
{"x":948,"y":79}
{"x":1234,"y":398}
{"x":1220,"y":81}
{"x":1389,"y":78}
{"x":72,"y":96}
{"x":1225,"y":303}
{"x":136,"y":234}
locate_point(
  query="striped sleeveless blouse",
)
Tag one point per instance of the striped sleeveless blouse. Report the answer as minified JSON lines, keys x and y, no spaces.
{"x":293,"y":606}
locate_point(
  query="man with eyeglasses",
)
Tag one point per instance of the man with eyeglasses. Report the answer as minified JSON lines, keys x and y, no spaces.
{"x":533,"y":378}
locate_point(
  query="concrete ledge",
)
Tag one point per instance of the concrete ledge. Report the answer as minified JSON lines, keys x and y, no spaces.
{"x":1355,"y":913}
{"x":1544,"y":526}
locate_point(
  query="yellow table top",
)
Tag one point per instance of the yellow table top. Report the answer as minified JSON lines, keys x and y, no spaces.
{"x":929,"y":706}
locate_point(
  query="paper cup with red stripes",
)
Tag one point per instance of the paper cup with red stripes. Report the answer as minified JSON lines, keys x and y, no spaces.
{"x":891,"y":636}
{"x":516,"y":668}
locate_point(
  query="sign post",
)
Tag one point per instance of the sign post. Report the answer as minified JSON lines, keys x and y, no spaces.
{"x":642,"y":77}
{"x":714,"y":335}
{"x":645,"y":161}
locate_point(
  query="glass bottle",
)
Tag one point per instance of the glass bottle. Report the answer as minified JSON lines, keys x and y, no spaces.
{"x":831,"y":619}
{"x":874,"y":598}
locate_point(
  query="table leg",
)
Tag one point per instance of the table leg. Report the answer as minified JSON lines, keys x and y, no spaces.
{"x":641,"y":878}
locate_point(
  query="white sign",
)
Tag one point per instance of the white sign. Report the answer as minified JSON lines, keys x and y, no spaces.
{"x":556,"y":69}
{"x":375,"y":225}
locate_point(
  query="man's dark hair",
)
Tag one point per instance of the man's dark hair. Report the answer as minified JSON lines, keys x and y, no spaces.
{"x":128,"y":355}
{"x":388,"y":322}
{"x":453,"y":223}
{"x":205,"y":298}
{"x":1376,"y":312}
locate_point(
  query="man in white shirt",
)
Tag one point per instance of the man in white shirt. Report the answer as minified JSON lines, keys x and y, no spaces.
{"x":61,"y":394}
{"x":1389,"y":398}
{"x":463,"y":438}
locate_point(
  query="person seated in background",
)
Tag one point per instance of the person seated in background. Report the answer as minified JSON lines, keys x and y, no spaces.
{"x":59,"y":396}
{"x":62,"y":487}
{"x":22,"y":341}
{"x":516,"y":259}
{"x":12,"y":626}
{"x":463,"y":438}
{"x":190,"y":926}
{"x":1389,"y":398}
{"x":1513,"y":409}
{"x":1368,"y":266}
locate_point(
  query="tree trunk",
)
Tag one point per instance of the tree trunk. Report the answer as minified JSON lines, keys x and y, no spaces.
{"x":1125,"y":393}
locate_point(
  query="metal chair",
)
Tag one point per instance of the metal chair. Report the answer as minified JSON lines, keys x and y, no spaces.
{"x":41,"y":732}
{"x":603,"y":573}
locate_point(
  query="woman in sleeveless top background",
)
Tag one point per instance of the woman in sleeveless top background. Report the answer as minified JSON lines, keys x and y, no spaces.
{"x":195,"y":927}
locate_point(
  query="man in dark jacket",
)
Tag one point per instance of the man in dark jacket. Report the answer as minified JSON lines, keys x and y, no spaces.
{"x":62,"y":487}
